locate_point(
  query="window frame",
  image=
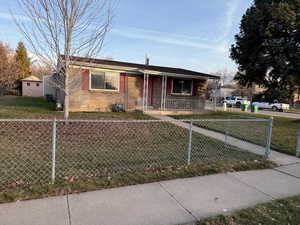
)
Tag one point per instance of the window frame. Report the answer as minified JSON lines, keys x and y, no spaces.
{"x":182,"y":94}
{"x":105,"y":90}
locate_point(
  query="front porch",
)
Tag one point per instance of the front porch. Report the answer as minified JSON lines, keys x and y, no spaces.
{"x":167,"y":94}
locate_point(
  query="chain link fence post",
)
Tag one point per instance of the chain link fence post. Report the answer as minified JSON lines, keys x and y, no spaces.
{"x":190,"y":142}
{"x":53,"y":152}
{"x":226,"y":134}
{"x":298,"y":142}
{"x":269,"y":137}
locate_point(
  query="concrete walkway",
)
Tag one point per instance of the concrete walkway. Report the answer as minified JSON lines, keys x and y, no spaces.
{"x":164,"y":203}
{"x":279,"y":158}
{"x":261,"y":112}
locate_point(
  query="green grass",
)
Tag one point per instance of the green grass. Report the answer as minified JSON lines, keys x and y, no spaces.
{"x":92,"y":156}
{"x":39,"y":108}
{"x":297,"y":111}
{"x":100,"y":149}
{"x":281,"y":212}
{"x":75,"y":185}
{"x":284,"y":129}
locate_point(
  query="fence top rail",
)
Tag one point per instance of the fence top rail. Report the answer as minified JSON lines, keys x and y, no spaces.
{"x":133,"y":121}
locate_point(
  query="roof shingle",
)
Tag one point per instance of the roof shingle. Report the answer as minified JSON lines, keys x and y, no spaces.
{"x":142,"y":66}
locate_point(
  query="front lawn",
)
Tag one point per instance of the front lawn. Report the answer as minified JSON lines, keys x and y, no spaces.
{"x":85,"y":149}
{"x":39,"y":108}
{"x":96,"y":155}
{"x":284,"y":136}
{"x":281,"y":212}
{"x":102,"y":150}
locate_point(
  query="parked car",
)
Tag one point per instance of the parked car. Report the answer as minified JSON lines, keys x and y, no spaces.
{"x":275,"y":106}
{"x":236,"y":101}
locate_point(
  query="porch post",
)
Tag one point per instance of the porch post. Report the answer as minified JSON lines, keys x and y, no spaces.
{"x":147,"y":90}
{"x":162,"y":93}
{"x":144,"y":92}
{"x":165,"y":92}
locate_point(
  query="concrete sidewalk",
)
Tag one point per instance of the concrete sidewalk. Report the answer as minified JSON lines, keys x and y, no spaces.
{"x":279,"y":158}
{"x":260,"y":112}
{"x":164,"y":203}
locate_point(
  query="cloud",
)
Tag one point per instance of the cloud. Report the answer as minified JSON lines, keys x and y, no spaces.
{"x":232,"y":7}
{"x":167,"y":38}
{"x":218,"y":44}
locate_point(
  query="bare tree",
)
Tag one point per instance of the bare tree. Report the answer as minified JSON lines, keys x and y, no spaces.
{"x":8,"y":70}
{"x":39,"y":71}
{"x":225,"y":76}
{"x":60,"y":29}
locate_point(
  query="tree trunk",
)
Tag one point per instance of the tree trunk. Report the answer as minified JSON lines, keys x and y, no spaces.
{"x":66,"y":107}
{"x":291,"y":97}
{"x":67,"y":95}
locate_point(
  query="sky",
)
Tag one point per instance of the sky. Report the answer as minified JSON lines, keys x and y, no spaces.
{"x":190,"y":34}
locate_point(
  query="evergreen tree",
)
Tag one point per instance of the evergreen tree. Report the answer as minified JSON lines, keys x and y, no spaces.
{"x":267,"y":48}
{"x":22,"y":61}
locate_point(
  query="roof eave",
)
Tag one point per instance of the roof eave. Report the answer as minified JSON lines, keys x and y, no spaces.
{"x":141,"y":71}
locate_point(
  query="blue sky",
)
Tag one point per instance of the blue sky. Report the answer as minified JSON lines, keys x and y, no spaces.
{"x":191,"y":34}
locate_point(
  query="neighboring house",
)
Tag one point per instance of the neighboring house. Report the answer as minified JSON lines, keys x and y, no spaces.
{"x":48,"y":87}
{"x":102,"y":84}
{"x":226,"y":92}
{"x":32,"y":86}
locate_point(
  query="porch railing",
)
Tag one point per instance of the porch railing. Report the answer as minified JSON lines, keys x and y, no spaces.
{"x":179,"y":104}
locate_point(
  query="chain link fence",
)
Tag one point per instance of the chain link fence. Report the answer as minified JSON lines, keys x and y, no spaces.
{"x":298,"y":142}
{"x":45,"y":151}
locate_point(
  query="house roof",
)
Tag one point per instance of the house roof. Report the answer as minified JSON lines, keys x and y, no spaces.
{"x":142,"y":67}
{"x":31,"y":78}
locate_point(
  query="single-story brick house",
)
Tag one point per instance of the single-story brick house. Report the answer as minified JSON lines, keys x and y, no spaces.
{"x":103,"y":84}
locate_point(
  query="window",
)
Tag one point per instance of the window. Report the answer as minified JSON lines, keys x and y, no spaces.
{"x":28,"y":84}
{"x":37,"y":84}
{"x":104,"y":81}
{"x":182,"y":87}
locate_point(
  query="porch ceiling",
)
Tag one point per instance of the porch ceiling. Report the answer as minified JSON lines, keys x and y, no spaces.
{"x":176,"y":75}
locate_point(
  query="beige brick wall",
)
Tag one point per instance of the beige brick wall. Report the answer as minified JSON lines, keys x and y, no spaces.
{"x":102,"y":100}
{"x":133,"y":89}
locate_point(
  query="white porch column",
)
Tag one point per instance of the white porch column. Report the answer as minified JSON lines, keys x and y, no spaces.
{"x":145,"y":92}
{"x":165,"y":92}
